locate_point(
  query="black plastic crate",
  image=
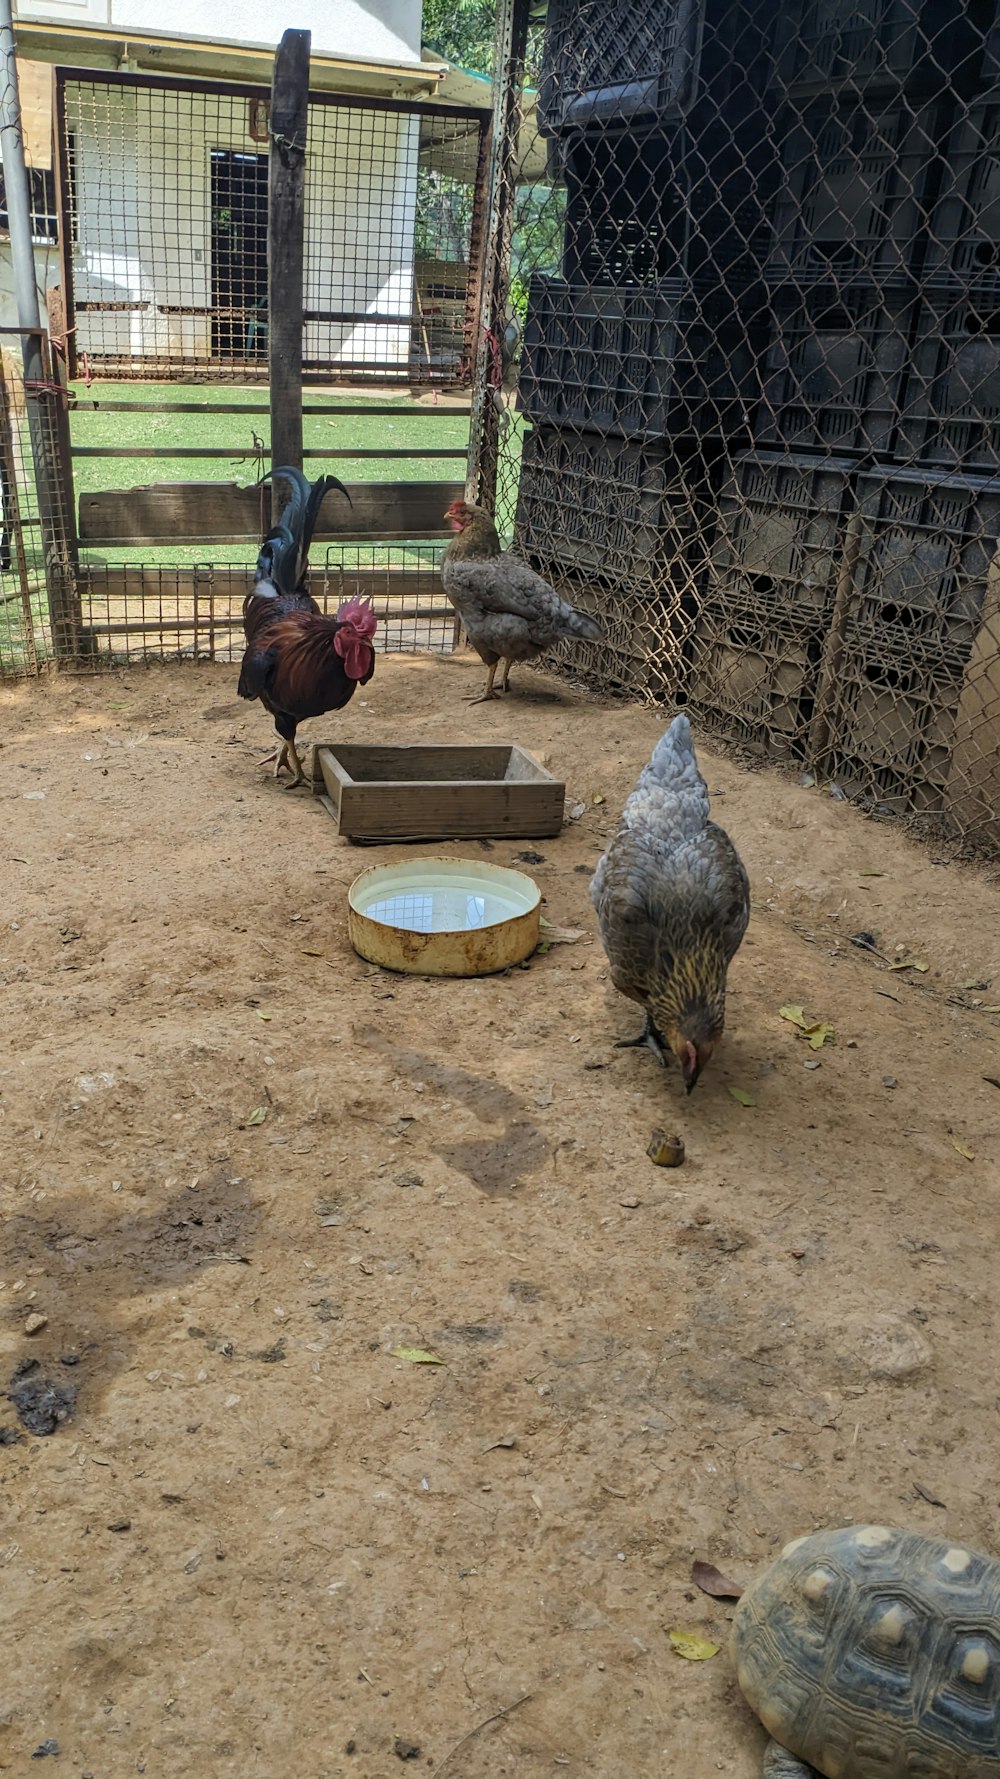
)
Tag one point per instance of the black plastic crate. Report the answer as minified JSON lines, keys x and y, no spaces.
{"x":752,"y":674}
{"x":835,"y":373}
{"x":779,"y":539}
{"x":964,"y":236}
{"x":644,"y":207}
{"x":952,"y":412}
{"x":927,"y":543}
{"x":615,"y":509}
{"x":654,"y":362}
{"x":640,"y":650}
{"x":894,"y":723}
{"x":871,"y":45}
{"x":609,"y":63}
{"x":859,"y":185}
{"x":610,"y":59}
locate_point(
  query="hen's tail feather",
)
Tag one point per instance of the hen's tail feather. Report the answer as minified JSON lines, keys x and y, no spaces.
{"x":579,"y":624}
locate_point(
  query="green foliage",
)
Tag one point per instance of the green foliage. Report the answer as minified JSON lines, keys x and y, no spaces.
{"x":461,"y":31}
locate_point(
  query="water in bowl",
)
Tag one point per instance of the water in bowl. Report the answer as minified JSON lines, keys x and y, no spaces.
{"x":452,"y":907}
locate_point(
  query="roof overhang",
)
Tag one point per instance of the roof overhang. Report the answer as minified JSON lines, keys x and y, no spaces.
{"x":155,"y":52}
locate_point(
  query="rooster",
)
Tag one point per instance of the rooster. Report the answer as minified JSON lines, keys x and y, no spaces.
{"x":509,"y":611}
{"x":673,"y":903}
{"x":298,"y":662}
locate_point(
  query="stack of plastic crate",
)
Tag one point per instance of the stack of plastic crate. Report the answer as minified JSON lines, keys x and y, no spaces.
{"x":883,"y":370}
{"x":640,"y":363}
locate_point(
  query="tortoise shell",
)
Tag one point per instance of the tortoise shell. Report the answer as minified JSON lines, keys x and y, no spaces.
{"x":875,"y":1654}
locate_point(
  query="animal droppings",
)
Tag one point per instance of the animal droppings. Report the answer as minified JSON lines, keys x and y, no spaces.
{"x":664,"y":1150}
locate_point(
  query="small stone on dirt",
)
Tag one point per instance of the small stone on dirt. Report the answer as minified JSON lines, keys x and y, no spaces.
{"x":664,"y":1150}
{"x":120,"y":1526}
{"x":50,"y":1746}
{"x":35,"y":1323}
{"x":405,"y":1750}
{"x":631,"y":1203}
{"x":889,"y":1081}
{"x":407,"y":1180}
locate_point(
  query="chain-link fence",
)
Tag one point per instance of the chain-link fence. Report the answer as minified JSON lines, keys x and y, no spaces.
{"x":755,"y":422}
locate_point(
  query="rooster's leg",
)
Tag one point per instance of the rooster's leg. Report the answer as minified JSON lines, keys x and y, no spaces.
{"x":280,"y":759}
{"x":646,"y":1037}
{"x":489,"y":692}
{"x":295,"y":765}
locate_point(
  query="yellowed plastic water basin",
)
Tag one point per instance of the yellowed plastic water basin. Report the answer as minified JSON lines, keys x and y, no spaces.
{"x":444,"y":917}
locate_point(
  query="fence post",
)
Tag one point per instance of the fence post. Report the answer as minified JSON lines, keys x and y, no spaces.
{"x":821,"y":728}
{"x":40,"y":392}
{"x":286,"y":248}
{"x":508,"y":84}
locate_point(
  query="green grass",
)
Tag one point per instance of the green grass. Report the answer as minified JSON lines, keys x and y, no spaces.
{"x":376,"y":430}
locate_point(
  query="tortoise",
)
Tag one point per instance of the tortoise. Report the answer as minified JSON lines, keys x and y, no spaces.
{"x":869,"y":1653}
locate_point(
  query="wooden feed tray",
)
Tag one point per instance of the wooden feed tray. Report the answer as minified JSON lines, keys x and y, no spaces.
{"x":436,"y":793}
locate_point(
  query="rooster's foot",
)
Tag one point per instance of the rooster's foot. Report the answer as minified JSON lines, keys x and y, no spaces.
{"x":485,"y":697}
{"x":647,"y":1039}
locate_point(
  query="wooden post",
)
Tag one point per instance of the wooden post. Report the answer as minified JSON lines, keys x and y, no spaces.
{"x":822,"y":727}
{"x":286,"y":249}
{"x":511,"y":46}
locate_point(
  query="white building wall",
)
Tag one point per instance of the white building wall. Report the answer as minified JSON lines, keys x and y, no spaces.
{"x":46,"y":274}
{"x":144,"y":224}
{"x":386,"y":30}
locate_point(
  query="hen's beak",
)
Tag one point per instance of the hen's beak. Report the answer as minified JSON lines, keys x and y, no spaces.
{"x":690,"y":1067}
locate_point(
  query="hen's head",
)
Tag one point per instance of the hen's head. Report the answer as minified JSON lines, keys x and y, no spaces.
{"x":463,"y":513}
{"x":689,"y":1018}
{"x":353,"y":640}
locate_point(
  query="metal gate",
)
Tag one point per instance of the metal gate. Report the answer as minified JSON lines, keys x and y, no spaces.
{"x":162,"y":194}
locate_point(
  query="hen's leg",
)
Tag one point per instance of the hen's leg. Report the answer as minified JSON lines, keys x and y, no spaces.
{"x":489,"y":692}
{"x":646,"y":1037}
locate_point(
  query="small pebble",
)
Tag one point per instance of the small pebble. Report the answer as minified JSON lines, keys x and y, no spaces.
{"x":35,"y":1323}
{"x":404,"y":1750}
{"x":407,"y":1179}
{"x":664,"y":1150}
{"x":631,"y":1203}
{"x":889,"y":1081}
{"x":120,"y":1526}
{"x":813,"y":1063}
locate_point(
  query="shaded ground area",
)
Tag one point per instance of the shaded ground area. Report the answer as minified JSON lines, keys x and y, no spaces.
{"x":264,"y":1546}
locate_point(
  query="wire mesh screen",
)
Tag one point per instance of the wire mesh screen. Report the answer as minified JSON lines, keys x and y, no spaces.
{"x":752,"y":416}
{"x":36,"y":558}
{"x":165,"y":199}
{"x":141,"y":612}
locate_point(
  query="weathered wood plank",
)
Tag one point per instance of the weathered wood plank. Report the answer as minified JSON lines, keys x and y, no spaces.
{"x":418,"y":588}
{"x":223,"y":512}
{"x":421,"y":803}
{"x":286,"y":210}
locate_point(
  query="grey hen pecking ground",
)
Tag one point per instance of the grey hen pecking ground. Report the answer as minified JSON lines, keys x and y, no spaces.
{"x":673,"y":903}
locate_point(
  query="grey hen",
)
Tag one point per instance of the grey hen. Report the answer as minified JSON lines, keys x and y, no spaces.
{"x":509,"y":611}
{"x":673,"y":903}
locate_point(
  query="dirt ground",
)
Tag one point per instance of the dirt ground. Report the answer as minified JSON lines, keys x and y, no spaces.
{"x":262,"y":1546}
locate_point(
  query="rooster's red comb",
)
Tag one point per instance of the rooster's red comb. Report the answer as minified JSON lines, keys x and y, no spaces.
{"x":358,"y":613}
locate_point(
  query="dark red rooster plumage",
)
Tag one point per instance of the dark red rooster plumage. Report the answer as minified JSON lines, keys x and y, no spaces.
{"x":298,"y":662}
